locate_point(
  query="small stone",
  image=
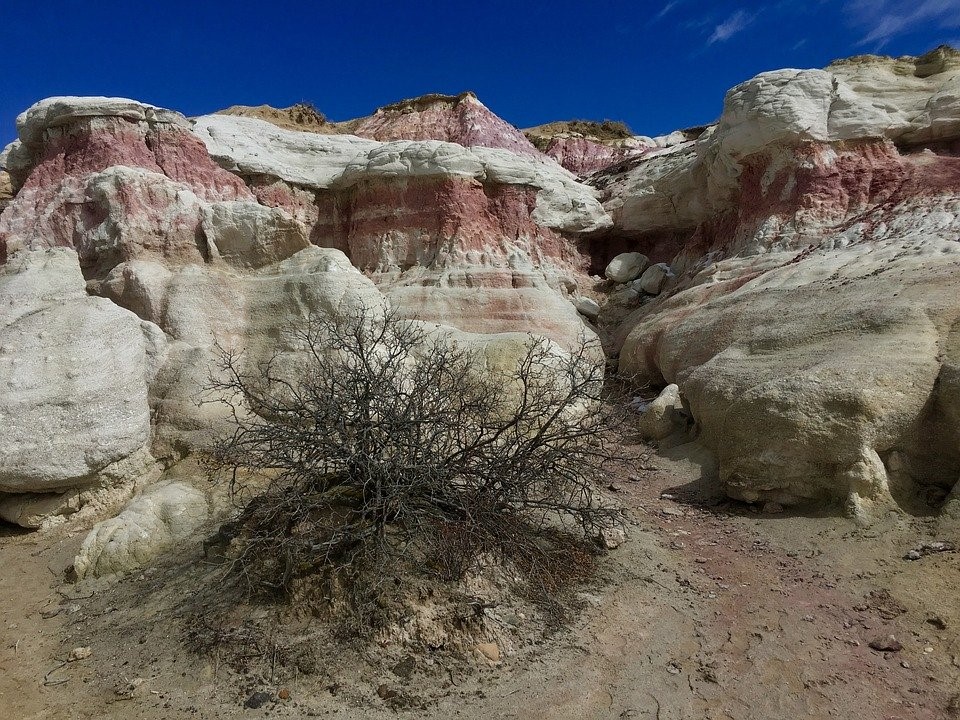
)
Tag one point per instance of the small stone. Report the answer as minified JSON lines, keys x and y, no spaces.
{"x":135,"y":687}
{"x":905,"y":665}
{"x":886,"y":643}
{"x":938,"y":622}
{"x":79,"y":653}
{"x":772,"y":508}
{"x":927,"y":650}
{"x":491,"y":651}
{"x":258,"y":699}
{"x":284,"y":694}
{"x":405,"y":668}
{"x":807,"y":618}
{"x":587,"y":307}
{"x":674,"y":512}
{"x":913,"y":555}
{"x":386,"y":692}
{"x":613,"y":537}
{"x":673,"y":668}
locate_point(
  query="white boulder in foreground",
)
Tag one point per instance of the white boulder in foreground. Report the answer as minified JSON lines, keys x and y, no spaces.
{"x":626,"y":267}
{"x":75,"y":372}
{"x":152,"y":523}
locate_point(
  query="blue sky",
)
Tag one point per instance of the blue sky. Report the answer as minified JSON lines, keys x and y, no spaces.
{"x":656,"y":65}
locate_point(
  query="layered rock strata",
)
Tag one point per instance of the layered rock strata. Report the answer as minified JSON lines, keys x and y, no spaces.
{"x":815,"y":237}
{"x":130,"y":260}
{"x":478,"y":238}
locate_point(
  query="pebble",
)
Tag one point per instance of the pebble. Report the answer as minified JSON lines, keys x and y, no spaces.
{"x":79,"y":653}
{"x":886,"y":643}
{"x":491,"y":651}
{"x":258,"y":699}
{"x":613,"y":537}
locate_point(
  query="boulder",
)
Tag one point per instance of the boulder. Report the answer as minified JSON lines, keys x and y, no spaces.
{"x":76,"y":371}
{"x":587,"y":307}
{"x":662,"y":416}
{"x":655,"y":278}
{"x":152,"y":523}
{"x":626,"y":267}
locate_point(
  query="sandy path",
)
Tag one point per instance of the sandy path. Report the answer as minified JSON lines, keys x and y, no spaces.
{"x":710,"y":612}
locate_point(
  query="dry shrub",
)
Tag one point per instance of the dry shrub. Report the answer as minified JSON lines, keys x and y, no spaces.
{"x":393,"y":456}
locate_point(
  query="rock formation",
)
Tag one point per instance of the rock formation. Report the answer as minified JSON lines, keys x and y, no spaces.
{"x":479,"y":238}
{"x":129,"y":259}
{"x":460,"y":119}
{"x":584,"y":147}
{"x":815,"y":237}
{"x":791,"y":275}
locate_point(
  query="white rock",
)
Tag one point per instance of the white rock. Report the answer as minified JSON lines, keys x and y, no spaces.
{"x":75,"y":371}
{"x":663,"y":416}
{"x":152,"y":523}
{"x":55,"y":111}
{"x":626,"y":267}
{"x":256,"y":147}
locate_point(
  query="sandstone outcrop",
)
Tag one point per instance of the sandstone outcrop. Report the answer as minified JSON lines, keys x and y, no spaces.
{"x":129,"y":244}
{"x":75,"y":375}
{"x":460,"y":119}
{"x":479,"y":238}
{"x":584,"y":147}
{"x":792,"y":275}
{"x":811,"y":327}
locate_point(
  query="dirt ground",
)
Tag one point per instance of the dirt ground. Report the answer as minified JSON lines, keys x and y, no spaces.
{"x":709,"y":610}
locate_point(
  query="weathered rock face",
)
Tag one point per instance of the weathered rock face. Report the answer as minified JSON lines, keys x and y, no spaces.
{"x":127,"y":243}
{"x":460,"y":119}
{"x":79,"y":160}
{"x":585,"y":156}
{"x":584,"y":147}
{"x":803,"y":301}
{"x":6,"y":189}
{"x":815,"y":234}
{"x":478,"y":238}
{"x":75,"y":374}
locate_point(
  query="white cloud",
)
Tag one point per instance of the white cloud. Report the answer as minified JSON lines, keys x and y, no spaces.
{"x":731,"y":26}
{"x":882,"y":20}
{"x":667,"y":8}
